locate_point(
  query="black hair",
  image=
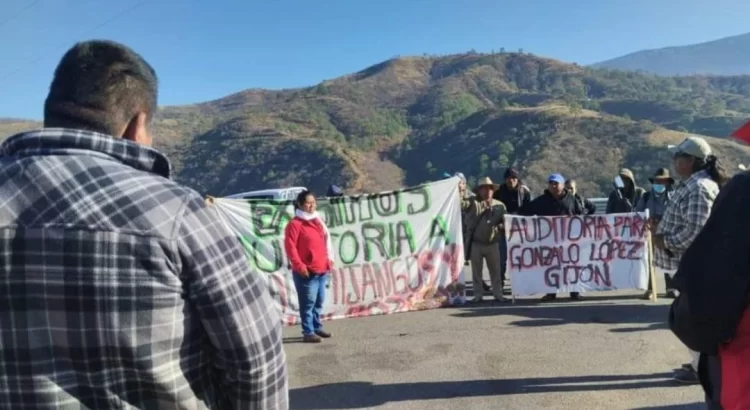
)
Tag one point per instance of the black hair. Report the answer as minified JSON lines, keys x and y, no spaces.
{"x":301,"y":198}
{"x":100,"y":86}
{"x":713,"y":167}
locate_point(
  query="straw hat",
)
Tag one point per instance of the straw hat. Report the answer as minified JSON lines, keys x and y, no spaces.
{"x":661,"y":173}
{"x":486,"y":181}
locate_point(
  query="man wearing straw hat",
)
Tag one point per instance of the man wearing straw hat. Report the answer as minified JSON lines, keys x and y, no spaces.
{"x":467,"y":195}
{"x":485,"y":217}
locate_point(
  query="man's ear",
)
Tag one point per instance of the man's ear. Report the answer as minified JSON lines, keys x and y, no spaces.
{"x":137,"y":130}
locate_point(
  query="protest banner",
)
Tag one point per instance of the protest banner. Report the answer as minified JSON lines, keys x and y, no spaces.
{"x":396,"y":251}
{"x":550,"y":254}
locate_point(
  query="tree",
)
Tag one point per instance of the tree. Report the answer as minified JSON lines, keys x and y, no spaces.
{"x":502,"y":50}
{"x":520,"y":51}
{"x":591,"y":105}
{"x":484,"y":162}
{"x":503,"y":103}
{"x":576,"y":109}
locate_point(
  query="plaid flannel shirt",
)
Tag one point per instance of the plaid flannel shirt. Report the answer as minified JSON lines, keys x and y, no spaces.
{"x":686,"y":213}
{"x":121,"y":289}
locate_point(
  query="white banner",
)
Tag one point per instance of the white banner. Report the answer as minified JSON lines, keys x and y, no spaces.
{"x":550,"y":254}
{"x":395,"y":251}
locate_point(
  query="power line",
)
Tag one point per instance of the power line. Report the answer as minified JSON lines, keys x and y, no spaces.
{"x":100,"y":25}
{"x":15,"y":16}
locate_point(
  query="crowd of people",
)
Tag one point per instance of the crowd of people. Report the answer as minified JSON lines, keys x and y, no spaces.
{"x":678,"y":213}
{"x":484,"y":209}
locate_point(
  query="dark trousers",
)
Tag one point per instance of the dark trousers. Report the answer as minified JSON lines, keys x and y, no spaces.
{"x":668,"y":281}
{"x":709,"y":372}
{"x":311,"y":292}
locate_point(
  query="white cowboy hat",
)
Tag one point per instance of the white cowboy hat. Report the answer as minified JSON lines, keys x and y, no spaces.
{"x":486,"y":181}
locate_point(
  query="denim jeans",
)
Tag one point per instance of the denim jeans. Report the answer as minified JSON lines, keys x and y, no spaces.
{"x":311,"y":292}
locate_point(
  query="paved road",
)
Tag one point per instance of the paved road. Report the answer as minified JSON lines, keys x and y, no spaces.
{"x":612,"y":351}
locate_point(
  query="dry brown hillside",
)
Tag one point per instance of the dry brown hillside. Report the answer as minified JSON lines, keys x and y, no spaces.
{"x":408,"y":120}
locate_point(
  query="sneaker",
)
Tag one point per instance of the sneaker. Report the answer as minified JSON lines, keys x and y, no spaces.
{"x":324,"y":335}
{"x":486,"y":287}
{"x":686,"y":376}
{"x":502,"y":299}
{"x":647,"y":295}
{"x":671,"y":294}
{"x":311,"y":339}
{"x":687,"y":366}
{"x":576,"y":297}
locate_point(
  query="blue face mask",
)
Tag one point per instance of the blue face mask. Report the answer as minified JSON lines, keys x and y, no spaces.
{"x":658,"y":188}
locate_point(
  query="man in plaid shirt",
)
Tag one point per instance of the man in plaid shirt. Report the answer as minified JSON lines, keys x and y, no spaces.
{"x":121,"y":288}
{"x":684,"y":217}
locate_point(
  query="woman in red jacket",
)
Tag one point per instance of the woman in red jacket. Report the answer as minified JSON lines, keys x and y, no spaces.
{"x":310,"y":251}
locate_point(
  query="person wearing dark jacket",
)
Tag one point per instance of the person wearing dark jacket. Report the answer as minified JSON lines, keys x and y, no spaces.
{"x":514,"y":195}
{"x":589,"y":208}
{"x":624,"y":200}
{"x":686,"y":214}
{"x":555,"y":200}
{"x":710,"y":314}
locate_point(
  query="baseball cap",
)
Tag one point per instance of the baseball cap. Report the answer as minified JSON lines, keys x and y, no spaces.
{"x":693,"y":146}
{"x":556,"y":178}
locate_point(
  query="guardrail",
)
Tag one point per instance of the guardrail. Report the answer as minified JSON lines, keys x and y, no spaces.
{"x":601,"y":205}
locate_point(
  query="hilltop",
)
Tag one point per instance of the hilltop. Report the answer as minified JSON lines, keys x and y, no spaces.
{"x":407,"y":120}
{"x":725,"y":56}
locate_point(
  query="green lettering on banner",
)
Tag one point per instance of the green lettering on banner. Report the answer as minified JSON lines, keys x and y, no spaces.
{"x":404,"y":233}
{"x":407,"y":239}
{"x":424,"y":192}
{"x":439,"y":228}
{"x":387,"y":239}
{"x":373,"y":234}
{"x":256,"y":257}
{"x":352,"y":250}
{"x":386,"y":204}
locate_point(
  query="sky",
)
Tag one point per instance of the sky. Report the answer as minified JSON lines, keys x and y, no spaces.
{"x":207,"y":49}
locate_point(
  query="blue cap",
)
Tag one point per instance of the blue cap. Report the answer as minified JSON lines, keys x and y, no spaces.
{"x":556,"y":178}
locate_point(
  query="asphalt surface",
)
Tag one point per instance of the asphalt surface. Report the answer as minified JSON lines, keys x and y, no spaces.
{"x":611,"y":351}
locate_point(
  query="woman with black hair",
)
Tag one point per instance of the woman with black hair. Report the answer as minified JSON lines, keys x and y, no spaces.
{"x":684,"y":217}
{"x":309,"y":248}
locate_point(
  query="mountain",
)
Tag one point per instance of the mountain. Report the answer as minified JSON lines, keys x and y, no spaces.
{"x":726,"y":56}
{"x":408,"y":120}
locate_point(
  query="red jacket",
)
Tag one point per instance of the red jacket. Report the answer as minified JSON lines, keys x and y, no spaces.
{"x":735,"y":373}
{"x":305,"y":245}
